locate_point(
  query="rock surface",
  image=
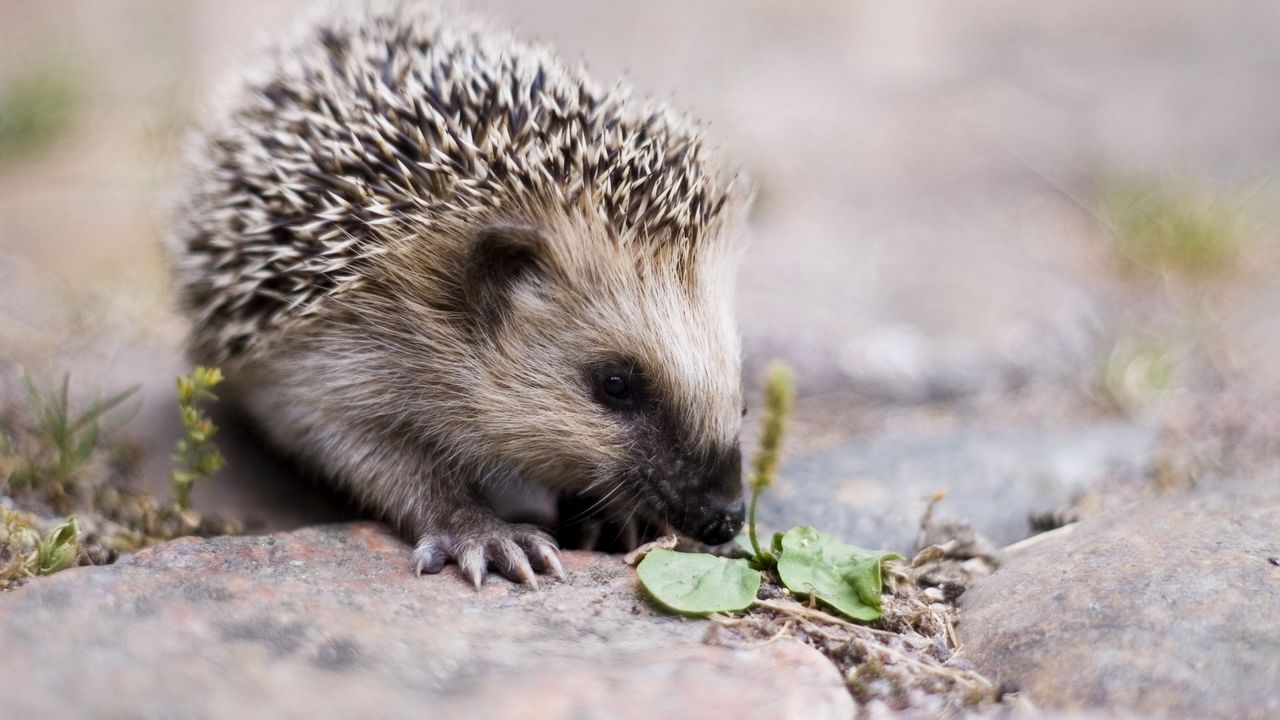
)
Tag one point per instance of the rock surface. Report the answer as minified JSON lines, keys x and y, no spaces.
{"x":877,"y":488}
{"x":329,"y":622}
{"x":1163,"y":610}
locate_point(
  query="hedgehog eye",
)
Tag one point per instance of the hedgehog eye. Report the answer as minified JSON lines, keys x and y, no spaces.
{"x":616,"y":386}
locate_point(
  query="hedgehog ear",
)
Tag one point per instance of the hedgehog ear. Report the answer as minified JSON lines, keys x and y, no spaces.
{"x":500,"y":256}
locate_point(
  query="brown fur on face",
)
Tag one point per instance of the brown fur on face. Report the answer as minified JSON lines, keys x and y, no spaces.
{"x":417,"y":247}
{"x":512,"y":376}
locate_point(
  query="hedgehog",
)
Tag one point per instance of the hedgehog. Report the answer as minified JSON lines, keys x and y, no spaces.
{"x":437,"y":263}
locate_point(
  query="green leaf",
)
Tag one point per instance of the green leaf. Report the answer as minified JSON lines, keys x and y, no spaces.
{"x":59,"y":548}
{"x":697,"y":583}
{"x":845,"y":577}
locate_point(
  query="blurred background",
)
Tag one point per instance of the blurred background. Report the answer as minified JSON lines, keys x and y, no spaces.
{"x":992,"y":214}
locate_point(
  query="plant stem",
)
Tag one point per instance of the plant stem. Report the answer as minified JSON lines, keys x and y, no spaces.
{"x":778,"y":391}
{"x":182,"y":495}
{"x":196,"y":455}
{"x":751,"y":523}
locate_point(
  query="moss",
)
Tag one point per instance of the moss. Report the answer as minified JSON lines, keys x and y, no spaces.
{"x":18,"y":538}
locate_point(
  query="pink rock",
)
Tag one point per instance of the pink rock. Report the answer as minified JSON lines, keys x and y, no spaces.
{"x":329,"y":621}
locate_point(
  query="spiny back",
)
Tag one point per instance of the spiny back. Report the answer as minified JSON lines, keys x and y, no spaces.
{"x":374,"y":127}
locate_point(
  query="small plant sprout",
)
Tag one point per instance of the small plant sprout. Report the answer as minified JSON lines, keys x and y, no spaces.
{"x":844,"y":578}
{"x":59,"y":549}
{"x":68,"y":440}
{"x":778,"y":391}
{"x":56,"y":457}
{"x":196,"y":456}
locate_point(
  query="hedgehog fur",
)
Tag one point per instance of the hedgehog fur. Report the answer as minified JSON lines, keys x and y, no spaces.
{"x":326,"y":250}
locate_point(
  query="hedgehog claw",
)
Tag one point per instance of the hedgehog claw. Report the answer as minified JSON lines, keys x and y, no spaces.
{"x":550,"y":560}
{"x":471,"y":561}
{"x":475,"y":574}
{"x":518,"y":552}
{"x":428,"y":558}
{"x":519,"y":570}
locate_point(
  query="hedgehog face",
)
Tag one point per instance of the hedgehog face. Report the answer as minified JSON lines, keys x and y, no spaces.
{"x":617,"y":372}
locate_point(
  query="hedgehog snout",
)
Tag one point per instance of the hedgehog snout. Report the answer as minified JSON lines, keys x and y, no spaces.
{"x":723,"y":524}
{"x":715,"y":510}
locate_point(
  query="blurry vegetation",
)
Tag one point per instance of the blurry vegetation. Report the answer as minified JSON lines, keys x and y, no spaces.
{"x":778,"y":393}
{"x":1183,"y":249}
{"x":58,"y":549}
{"x":26,"y":552}
{"x":1136,"y":371}
{"x":56,"y":458}
{"x":63,"y":448}
{"x":196,"y":457}
{"x":37,"y":107}
{"x":1165,"y":228}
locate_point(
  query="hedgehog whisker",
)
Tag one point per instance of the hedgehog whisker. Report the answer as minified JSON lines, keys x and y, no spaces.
{"x":596,"y":505}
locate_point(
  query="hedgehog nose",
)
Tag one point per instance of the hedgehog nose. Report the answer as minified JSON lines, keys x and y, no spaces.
{"x":723,"y":525}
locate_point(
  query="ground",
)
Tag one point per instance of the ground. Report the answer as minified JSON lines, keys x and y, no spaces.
{"x":1021,"y":253}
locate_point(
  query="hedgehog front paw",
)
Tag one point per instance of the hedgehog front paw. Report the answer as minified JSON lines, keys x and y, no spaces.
{"x":515,"y":551}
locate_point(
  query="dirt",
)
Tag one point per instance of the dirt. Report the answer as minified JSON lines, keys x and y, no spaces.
{"x":907,"y":661}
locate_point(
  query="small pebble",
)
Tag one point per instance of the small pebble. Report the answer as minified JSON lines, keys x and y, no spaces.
{"x":1274,"y":560}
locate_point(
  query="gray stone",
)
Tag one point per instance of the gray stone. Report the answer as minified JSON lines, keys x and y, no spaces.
{"x":330,"y":622}
{"x":873,"y":491}
{"x":1162,"y":610}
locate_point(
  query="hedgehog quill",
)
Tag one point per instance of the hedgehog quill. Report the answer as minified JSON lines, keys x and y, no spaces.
{"x":435,"y":261}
